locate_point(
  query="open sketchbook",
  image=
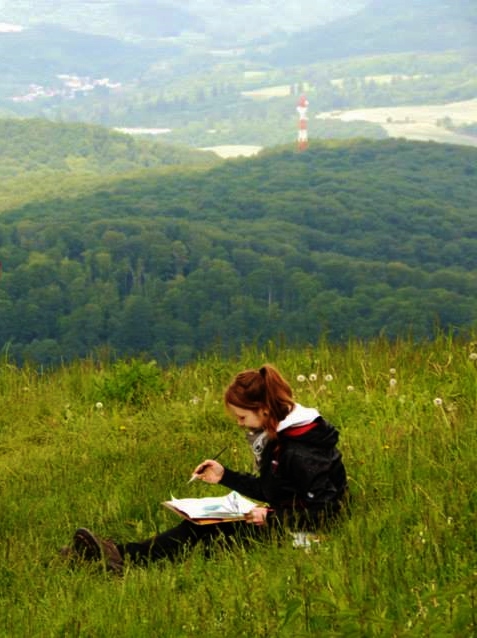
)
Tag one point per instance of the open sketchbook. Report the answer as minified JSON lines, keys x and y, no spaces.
{"x":212,"y":509}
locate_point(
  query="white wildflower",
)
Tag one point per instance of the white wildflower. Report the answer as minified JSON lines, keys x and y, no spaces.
{"x":99,"y":405}
{"x":392,"y":383}
{"x":312,"y":377}
{"x":437,"y":401}
{"x":328,"y":377}
{"x":473,"y":356}
{"x":350,"y":388}
{"x":301,"y":378}
{"x":392,"y":371}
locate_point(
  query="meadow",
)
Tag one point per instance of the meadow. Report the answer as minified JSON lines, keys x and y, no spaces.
{"x":102,"y":444}
{"x":416,"y":122}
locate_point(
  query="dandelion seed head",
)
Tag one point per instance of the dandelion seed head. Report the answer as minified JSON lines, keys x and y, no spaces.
{"x":301,"y":378}
{"x":392,"y":370}
{"x":473,"y":356}
{"x":98,"y":405}
{"x":328,"y":377}
{"x":195,"y":400}
{"x":437,"y":401}
{"x":312,"y":377}
{"x":350,"y":388}
{"x":392,"y":383}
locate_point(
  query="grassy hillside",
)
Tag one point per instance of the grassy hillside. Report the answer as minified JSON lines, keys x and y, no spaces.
{"x":402,"y":565}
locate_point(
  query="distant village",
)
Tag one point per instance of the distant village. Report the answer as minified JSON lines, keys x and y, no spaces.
{"x":71,"y":86}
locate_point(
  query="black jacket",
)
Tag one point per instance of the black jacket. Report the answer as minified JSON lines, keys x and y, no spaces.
{"x":302,"y":478}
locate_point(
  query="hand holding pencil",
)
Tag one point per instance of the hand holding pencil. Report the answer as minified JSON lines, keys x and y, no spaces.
{"x":209,"y":470}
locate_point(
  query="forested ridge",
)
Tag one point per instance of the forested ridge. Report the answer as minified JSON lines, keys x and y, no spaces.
{"x":346,"y":239}
{"x":38,"y":145}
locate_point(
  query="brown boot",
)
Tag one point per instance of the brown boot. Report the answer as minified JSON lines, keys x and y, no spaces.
{"x":91,"y":547}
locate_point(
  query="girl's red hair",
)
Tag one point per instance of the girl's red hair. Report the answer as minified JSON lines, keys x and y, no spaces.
{"x":264,"y":389}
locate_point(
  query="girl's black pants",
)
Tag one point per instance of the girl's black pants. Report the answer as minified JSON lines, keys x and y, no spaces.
{"x":177,"y":541}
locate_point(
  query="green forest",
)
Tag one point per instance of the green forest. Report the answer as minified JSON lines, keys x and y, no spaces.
{"x":38,"y":145}
{"x":347,"y":239}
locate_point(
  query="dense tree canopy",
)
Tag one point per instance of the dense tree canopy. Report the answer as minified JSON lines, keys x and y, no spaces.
{"x":32,"y":145}
{"x":347,"y":239}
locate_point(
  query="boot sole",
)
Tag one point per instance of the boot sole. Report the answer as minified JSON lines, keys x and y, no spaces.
{"x":86,"y":544}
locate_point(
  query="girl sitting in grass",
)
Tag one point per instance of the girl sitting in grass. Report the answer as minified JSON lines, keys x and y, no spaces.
{"x":300,"y":478}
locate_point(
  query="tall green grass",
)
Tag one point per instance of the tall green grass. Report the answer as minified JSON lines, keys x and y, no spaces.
{"x":403,"y":565}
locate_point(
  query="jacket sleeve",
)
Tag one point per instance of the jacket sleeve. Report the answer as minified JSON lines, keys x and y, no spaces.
{"x":246,"y":484}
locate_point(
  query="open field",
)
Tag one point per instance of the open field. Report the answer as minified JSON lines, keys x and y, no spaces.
{"x":233,"y":150}
{"x":268,"y":92}
{"x":416,"y":122}
{"x":103,"y":445}
{"x":383,"y":78}
{"x":137,"y":130}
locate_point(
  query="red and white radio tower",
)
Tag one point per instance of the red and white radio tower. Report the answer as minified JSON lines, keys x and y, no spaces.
{"x":302,"y":108}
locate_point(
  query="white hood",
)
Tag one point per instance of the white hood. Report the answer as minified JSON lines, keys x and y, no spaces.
{"x":298,"y":416}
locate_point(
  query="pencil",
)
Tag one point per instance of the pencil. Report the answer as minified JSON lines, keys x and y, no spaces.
{"x":214,"y":458}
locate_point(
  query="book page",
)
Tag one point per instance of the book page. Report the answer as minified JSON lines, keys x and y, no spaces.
{"x":230,"y":506}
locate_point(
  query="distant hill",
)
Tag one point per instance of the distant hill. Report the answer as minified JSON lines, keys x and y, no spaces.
{"x":384,"y":27}
{"x":154,"y":21}
{"x":58,"y":50}
{"x":36,"y":145}
{"x":223,"y":22}
{"x":208,"y":87}
{"x":346,"y":239}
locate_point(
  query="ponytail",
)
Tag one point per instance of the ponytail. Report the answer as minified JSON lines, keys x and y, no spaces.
{"x":262,"y":389}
